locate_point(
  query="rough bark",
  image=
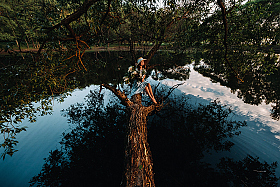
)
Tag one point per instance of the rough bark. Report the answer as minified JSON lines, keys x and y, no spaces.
{"x":138,"y":157}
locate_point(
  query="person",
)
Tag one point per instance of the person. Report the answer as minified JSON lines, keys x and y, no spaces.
{"x":137,"y":78}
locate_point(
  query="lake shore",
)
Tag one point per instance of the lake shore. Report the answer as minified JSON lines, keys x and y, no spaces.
{"x":91,"y":49}
{"x":275,"y":48}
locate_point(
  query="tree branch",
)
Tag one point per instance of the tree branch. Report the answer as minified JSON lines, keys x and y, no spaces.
{"x":66,"y":21}
{"x":74,"y":16}
{"x":152,"y":52}
{"x":225,"y":23}
{"x":124,"y":100}
{"x":172,"y":89}
{"x":158,"y":44}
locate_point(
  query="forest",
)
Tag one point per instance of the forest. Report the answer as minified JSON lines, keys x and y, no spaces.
{"x":48,"y":48}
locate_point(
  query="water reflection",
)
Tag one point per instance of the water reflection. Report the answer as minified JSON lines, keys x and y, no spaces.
{"x":35,"y":144}
{"x":259,"y":72}
{"x":260,"y":137}
{"x":179,"y":136}
{"x":29,"y":88}
{"x":29,"y":160}
{"x":209,"y":90}
{"x":200,"y":90}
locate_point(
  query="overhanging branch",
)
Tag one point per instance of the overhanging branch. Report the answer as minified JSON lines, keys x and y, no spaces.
{"x":74,"y":16}
{"x":162,"y":34}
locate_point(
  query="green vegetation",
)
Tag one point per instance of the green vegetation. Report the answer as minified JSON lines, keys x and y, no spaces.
{"x":90,"y":153}
{"x":43,"y":45}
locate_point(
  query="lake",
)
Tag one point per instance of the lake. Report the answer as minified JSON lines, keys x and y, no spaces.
{"x":260,"y":138}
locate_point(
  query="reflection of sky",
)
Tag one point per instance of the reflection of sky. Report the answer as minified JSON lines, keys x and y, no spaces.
{"x":203,"y":88}
{"x":261,"y":135}
{"x":257,"y":139}
{"x":36,"y":143}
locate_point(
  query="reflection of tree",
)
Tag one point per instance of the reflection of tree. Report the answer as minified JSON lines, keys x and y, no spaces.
{"x":261,"y":82}
{"x":24,"y":82}
{"x":85,"y":23}
{"x":248,"y":172}
{"x":93,"y":152}
{"x":28,"y":88}
{"x":251,"y":30}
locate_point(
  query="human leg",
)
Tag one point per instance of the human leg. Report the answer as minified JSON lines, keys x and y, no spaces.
{"x":149,"y":91}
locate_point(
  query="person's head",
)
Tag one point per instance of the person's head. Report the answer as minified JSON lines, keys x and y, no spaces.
{"x":140,"y":62}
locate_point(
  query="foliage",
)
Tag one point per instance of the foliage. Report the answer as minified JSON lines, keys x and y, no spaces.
{"x":93,"y":152}
{"x":19,"y":25}
{"x":251,"y":28}
{"x":29,"y":89}
{"x":133,"y":74}
{"x":260,"y":82}
{"x":252,"y":35}
{"x":249,"y":172}
{"x":171,"y":65}
{"x":61,"y":63}
{"x":209,"y":126}
{"x":101,"y":131}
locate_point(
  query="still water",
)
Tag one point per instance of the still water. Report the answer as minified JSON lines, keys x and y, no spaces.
{"x":260,"y":138}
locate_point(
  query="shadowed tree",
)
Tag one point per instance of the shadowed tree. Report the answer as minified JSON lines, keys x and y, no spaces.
{"x":251,"y":41}
{"x":90,"y":153}
{"x":87,"y":22}
{"x":249,"y":172}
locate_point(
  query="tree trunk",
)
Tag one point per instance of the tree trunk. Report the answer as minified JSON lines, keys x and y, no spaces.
{"x":138,"y":157}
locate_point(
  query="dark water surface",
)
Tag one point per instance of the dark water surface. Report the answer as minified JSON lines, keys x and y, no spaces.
{"x":260,"y":138}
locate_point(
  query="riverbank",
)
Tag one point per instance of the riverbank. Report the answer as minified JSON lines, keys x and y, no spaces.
{"x":91,"y":49}
{"x":275,"y":48}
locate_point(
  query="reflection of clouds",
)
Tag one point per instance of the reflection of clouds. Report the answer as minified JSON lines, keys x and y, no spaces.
{"x":261,"y":136}
{"x":202,"y":87}
{"x":36,"y":143}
